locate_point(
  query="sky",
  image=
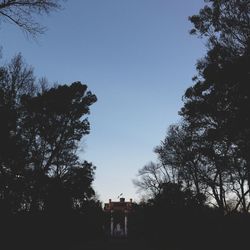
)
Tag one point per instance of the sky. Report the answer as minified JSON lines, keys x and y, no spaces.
{"x":136,"y":56}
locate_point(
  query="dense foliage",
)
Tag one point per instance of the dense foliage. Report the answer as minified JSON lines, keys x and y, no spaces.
{"x":208,"y":151}
{"x":40,"y":171}
{"x":201,"y":180}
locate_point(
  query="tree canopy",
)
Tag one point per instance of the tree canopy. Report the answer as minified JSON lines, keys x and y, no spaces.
{"x":208,"y":152}
{"x":41,"y":129}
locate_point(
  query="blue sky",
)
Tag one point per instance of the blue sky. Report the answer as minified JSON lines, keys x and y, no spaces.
{"x":136,"y":56}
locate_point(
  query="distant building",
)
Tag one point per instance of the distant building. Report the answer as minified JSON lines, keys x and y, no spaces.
{"x":117,"y":214}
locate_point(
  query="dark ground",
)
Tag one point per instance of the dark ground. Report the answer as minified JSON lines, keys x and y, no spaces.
{"x":116,"y":244}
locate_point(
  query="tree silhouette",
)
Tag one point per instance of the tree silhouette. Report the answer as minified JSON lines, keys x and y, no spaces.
{"x":218,"y":101}
{"x":201,"y":179}
{"x":41,"y":131}
{"x":21,"y":13}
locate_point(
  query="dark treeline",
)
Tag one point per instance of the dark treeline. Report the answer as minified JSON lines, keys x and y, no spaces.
{"x":46,"y":196}
{"x":197,"y":193}
{"x":46,"y":192}
{"x":199,"y":187}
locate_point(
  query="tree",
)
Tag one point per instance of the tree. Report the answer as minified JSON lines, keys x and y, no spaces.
{"x":41,"y":130}
{"x":210,"y":169}
{"x":54,"y":125}
{"x":216,"y":106}
{"x":21,"y":13}
{"x":16,"y":79}
{"x":224,"y":23}
{"x":178,"y":163}
{"x":180,"y":152}
{"x":150,"y":179}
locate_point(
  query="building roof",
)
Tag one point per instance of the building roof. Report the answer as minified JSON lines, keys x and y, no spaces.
{"x":122,"y":205}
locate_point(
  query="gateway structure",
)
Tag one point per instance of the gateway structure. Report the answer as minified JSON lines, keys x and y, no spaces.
{"x":117,"y":217}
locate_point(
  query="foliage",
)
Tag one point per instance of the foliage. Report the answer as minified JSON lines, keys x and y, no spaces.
{"x":41,"y":130}
{"x":217,"y":103}
{"x":208,"y":152}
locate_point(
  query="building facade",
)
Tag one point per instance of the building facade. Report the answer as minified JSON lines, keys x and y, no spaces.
{"x":117,"y":215}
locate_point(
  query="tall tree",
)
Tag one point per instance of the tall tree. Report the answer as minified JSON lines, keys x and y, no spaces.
{"x":16,"y":79}
{"x":219,"y":100}
{"x":225,"y":23}
{"x":41,"y":130}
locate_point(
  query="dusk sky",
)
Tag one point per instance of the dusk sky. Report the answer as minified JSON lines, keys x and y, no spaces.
{"x":138,"y":58}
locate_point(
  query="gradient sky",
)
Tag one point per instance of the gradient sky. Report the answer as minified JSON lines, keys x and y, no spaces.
{"x":136,"y":56}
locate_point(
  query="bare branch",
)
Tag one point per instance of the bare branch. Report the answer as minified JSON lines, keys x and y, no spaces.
{"x":22,"y":12}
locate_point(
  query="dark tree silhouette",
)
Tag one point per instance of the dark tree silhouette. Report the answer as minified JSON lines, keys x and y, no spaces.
{"x":218,"y":102}
{"x":40,"y":132}
{"x":204,"y":160}
{"x":16,"y":79}
{"x":22,"y":12}
{"x":150,"y":178}
{"x":44,"y":186}
{"x":224,"y":23}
